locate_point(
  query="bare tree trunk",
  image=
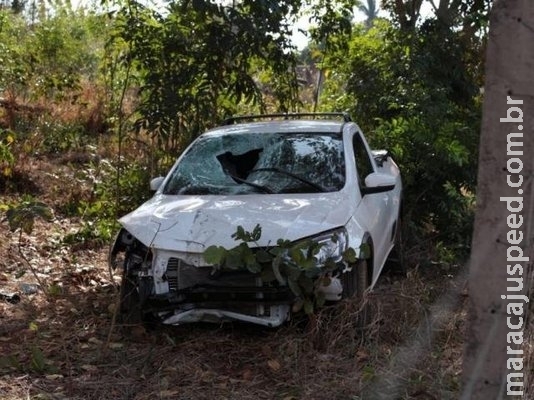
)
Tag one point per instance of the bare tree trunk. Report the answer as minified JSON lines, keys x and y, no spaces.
{"x":501,"y":263}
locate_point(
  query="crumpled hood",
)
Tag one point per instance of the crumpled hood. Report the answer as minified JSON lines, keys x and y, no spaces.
{"x":193,"y":223}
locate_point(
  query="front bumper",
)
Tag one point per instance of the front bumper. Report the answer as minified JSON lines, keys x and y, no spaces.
{"x":185,"y":293}
{"x":278,"y":315}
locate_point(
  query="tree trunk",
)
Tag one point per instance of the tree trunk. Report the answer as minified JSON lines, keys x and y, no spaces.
{"x":497,"y":264}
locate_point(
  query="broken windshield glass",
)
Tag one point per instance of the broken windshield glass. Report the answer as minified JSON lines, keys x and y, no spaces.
{"x":245,"y":163}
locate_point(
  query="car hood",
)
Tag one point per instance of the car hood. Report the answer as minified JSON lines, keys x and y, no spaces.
{"x":193,"y":223}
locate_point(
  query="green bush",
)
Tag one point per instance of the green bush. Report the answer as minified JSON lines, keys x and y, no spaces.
{"x":7,"y":158}
{"x":416,"y":94}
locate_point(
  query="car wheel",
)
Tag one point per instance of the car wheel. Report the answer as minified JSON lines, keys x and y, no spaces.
{"x":130,"y":304}
{"x":396,"y":258}
{"x":356,"y":281}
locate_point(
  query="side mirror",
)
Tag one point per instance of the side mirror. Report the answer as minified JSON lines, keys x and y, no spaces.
{"x":378,"y":182}
{"x":156,"y":183}
{"x":380,"y":156}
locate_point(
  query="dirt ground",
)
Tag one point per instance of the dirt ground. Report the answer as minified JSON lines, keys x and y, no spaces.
{"x":59,"y":338}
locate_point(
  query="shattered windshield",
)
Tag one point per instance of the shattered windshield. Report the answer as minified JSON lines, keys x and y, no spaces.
{"x":246,"y":163}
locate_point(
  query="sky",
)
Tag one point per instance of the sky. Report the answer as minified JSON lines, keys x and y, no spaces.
{"x":299,"y":39}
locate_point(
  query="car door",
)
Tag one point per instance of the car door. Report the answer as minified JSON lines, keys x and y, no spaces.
{"x":374,"y":209}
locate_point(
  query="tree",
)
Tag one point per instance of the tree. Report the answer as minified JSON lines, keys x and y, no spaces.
{"x":508,"y":108}
{"x":371,"y":12}
{"x":416,"y":94}
{"x":198,"y":63}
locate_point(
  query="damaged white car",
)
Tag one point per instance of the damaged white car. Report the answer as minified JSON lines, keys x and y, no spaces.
{"x":298,"y":179}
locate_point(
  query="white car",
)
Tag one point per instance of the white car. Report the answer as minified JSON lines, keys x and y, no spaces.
{"x":298,"y":179}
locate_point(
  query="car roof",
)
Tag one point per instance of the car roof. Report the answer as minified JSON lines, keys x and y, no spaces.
{"x":283,"y":126}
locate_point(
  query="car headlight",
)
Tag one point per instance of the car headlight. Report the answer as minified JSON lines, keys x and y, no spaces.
{"x":332,"y":246}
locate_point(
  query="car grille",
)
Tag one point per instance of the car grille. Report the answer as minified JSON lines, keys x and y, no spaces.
{"x":238,"y":291}
{"x":181,"y":275}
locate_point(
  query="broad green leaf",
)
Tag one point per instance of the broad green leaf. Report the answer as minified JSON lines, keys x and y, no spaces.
{"x":293,"y":272}
{"x":215,"y":255}
{"x":296,"y":255}
{"x":276,"y":270}
{"x":233,"y":260}
{"x":254,"y":267}
{"x":308,"y":307}
{"x":306,"y":284}
{"x":267,"y":275}
{"x":283,"y":243}
{"x":256,"y":233}
{"x":38,"y":362}
{"x":297,"y":306}
{"x":263,"y":257}
{"x":349,"y":255}
{"x":295,"y":288}
{"x":320,"y":298}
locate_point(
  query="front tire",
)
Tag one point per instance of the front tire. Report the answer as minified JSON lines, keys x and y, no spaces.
{"x":130,"y":302}
{"x":355,"y":284}
{"x":356,"y":281}
{"x":398,"y":264}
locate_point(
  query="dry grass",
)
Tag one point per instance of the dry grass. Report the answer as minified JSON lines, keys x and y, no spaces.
{"x":57,"y":347}
{"x":64,"y":345}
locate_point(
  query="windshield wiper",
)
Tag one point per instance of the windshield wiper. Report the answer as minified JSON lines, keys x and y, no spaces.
{"x":263,"y":188}
{"x":292,"y":175}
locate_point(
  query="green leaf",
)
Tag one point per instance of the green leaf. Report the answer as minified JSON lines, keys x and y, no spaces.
{"x":254,"y":267}
{"x":293,"y":272}
{"x":43,"y":211}
{"x":10,"y":362}
{"x":27,"y":224}
{"x":263,"y":257}
{"x":55,"y":290}
{"x":313,"y":272}
{"x":349,"y":255}
{"x":233,"y":260}
{"x":38,"y":362}
{"x":275,"y":251}
{"x":283,"y":243}
{"x":23,"y":215}
{"x":297,"y":306}
{"x":256,"y":233}
{"x":306,"y":284}
{"x":296,"y":255}
{"x":309,"y":263}
{"x":267,"y":275}
{"x":320,"y":298}
{"x":276,"y":270}
{"x":239,"y":234}
{"x":295,"y":288}
{"x":308,"y":307}
{"x":215,"y":255}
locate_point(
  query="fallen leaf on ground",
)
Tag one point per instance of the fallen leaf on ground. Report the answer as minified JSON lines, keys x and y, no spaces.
{"x":274,"y":365}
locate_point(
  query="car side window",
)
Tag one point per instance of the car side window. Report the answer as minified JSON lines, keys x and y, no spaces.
{"x":363,"y":164}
